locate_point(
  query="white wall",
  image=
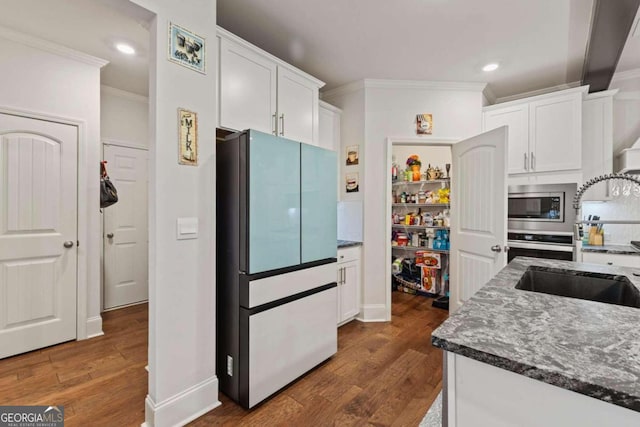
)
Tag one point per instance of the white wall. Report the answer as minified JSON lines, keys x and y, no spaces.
{"x":182,"y":321}
{"x":34,"y":80}
{"x":124,"y":116}
{"x":390,"y":109}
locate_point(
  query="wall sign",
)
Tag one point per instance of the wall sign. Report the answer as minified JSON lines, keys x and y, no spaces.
{"x":187,"y":48}
{"x":187,"y":137}
{"x":424,"y":124}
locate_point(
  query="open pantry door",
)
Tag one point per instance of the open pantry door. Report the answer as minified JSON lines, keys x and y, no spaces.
{"x":478,"y":213}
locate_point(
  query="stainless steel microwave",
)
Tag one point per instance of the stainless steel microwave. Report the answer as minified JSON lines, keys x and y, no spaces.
{"x":541,"y":207}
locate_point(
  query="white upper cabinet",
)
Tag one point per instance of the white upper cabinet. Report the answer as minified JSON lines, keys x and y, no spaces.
{"x":247,"y":89}
{"x":555,"y":133}
{"x":545,"y":131}
{"x":297,"y":107}
{"x":329,"y":122}
{"x":517,"y":119}
{"x":259,"y":91}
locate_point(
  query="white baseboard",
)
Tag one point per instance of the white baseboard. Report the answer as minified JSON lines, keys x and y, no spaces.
{"x":373,"y":313}
{"x":183,"y":407}
{"x":94,"y":327}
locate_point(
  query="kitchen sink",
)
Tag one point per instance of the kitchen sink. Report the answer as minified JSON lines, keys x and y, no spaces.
{"x":607,"y":288}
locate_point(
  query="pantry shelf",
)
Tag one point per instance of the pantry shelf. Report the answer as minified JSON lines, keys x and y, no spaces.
{"x":419,"y":227}
{"x":420,"y":248}
{"x":433,"y":181}
{"x":420,"y":205}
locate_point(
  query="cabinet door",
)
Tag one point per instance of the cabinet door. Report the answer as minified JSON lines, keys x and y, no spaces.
{"x":516,"y":118}
{"x":555,"y":133}
{"x":297,"y":107}
{"x":328,"y":129}
{"x":597,"y":144}
{"x":247,"y":89}
{"x":350,"y":290}
{"x":619,"y":260}
{"x":274,"y":202}
{"x":319,"y":206}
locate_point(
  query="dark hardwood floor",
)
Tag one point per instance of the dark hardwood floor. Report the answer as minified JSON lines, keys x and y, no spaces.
{"x":385,"y":374}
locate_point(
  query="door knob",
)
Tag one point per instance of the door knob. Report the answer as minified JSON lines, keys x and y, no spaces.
{"x":496,"y":248}
{"x":109,"y":235}
{"x":68,"y":244}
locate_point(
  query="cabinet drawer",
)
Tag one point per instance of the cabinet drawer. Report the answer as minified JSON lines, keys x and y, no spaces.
{"x":612,"y":259}
{"x":349,"y":254}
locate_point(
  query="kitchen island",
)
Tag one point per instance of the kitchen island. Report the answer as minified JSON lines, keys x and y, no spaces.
{"x":518,"y":357}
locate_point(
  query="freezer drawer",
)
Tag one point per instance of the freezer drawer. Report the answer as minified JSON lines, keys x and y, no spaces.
{"x":288,"y":340}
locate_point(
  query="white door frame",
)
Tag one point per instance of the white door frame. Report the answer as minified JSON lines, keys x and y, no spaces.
{"x":124,"y":144}
{"x":83,"y":224}
{"x":416,"y":141}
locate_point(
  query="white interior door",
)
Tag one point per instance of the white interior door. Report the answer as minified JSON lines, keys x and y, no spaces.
{"x":38,"y":233}
{"x":126,"y":229}
{"x":478,"y":213}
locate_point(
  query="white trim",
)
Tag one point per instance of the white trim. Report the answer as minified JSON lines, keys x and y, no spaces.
{"x":124,"y":94}
{"x":327,"y":106}
{"x":537,"y":95}
{"x":423,"y":141}
{"x":424,"y":84}
{"x":490,"y":94}
{"x":133,"y":304}
{"x":83,"y":226}
{"x":343,"y":90}
{"x":38,"y":43}
{"x":184,"y":407}
{"x":94,"y":327}
{"x":373,"y":313}
{"x":450,"y":388}
{"x":601,"y":94}
{"x":626,"y":75}
{"x":125,"y":144}
{"x":222,"y":33}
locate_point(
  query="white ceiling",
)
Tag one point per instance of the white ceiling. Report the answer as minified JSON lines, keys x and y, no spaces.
{"x":91,"y":27}
{"x":538,"y":43}
{"x":630,"y":58}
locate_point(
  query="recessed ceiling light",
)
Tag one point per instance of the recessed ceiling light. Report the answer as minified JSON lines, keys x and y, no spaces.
{"x":125,"y":48}
{"x":490,"y":67}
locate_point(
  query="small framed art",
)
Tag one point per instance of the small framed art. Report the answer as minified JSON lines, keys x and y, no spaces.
{"x":187,"y":137}
{"x":187,"y":49}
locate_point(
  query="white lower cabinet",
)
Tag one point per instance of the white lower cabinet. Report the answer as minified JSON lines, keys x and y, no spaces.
{"x":348,"y":305}
{"x":619,"y":260}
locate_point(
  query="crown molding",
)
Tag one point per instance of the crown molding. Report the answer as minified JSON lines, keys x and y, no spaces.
{"x":124,"y":94}
{"x":47,"y":46}
{"x":343,"y":90}
{"x":327,"y":106}
{"x":489,"y":94}
{"x":626,"y":75}
{"x":424,"y":84}
{"x":537,"y":92}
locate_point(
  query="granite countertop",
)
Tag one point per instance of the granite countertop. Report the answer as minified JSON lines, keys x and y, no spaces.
{"x":347,"y":243}
{"x":612,"y":249}
{"x":588,"y":347}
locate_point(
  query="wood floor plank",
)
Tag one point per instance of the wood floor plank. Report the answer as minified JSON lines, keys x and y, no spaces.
{"x":384,"y":374}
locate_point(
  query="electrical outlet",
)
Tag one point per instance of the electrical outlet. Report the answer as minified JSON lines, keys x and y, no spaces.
{"x":229,"y":365}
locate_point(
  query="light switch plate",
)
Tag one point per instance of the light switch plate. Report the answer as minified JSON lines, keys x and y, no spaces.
{"x":187,"y":228}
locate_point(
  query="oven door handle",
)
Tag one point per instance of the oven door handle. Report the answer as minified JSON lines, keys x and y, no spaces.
{"x":539,"y":246}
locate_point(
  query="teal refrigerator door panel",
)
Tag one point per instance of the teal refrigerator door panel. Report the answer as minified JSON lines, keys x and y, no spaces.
{"x":319,"y":206}
{"x":274,"y":202}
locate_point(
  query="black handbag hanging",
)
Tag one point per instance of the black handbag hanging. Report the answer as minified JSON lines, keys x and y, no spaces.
{"x":108,"y":192}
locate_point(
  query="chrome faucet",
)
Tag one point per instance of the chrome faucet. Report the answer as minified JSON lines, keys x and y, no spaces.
{"x":578,"y":197}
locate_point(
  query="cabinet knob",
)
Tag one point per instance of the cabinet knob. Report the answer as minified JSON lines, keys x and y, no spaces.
{"x":109,"y":235}
{"x":609,"y":263}
{"x":341,"y":256}
{"x":68,"y":244}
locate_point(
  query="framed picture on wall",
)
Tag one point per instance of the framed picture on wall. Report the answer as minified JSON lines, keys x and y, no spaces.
{"x":186,"y":48}
{"x":352,"y":185}
{"x":187,"y":137}
{"x":352,"y":155}
{"x":424,"y":124}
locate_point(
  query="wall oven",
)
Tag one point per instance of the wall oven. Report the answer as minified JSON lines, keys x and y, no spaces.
{"x":540,"y":221}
